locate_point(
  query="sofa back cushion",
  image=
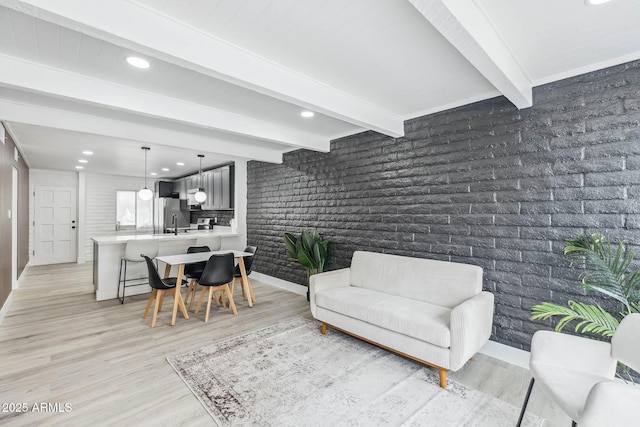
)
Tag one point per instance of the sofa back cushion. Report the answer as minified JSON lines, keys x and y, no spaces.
{"x":443,"y":283}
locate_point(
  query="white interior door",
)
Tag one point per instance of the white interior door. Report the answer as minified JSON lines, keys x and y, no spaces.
{"x":55,"y":225}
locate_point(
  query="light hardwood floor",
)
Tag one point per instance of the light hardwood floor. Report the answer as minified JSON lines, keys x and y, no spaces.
{"x":58,"y":345}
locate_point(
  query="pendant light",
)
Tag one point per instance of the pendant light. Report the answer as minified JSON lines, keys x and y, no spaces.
{"x":145,"y":193}
{"x":200,"y":196}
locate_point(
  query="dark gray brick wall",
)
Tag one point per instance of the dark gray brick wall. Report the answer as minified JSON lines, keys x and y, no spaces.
{"x":482,"y":184}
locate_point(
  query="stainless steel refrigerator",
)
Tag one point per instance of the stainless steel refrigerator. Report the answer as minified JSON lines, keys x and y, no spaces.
{"x":168,"y":215}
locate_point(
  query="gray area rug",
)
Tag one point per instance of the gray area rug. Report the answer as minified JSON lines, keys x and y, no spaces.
{"x":291,"y":375}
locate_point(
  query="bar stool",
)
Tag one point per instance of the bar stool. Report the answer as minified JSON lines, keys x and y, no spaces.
{"x":132,"y":252}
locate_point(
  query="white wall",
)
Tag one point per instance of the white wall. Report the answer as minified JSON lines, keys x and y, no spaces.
{"x":100,"y":205}
{"x":240,"y":202}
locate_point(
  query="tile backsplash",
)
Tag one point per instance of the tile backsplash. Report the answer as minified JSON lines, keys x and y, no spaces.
{"x":223,"y":216}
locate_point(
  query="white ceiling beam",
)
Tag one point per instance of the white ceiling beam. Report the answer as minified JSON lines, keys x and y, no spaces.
{"x":134,"y":26}
{"x":66,"y":120}
{"x":464,"y":25}
{"x":59,"y":83}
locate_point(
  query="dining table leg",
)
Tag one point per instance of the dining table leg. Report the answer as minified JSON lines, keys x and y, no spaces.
{"x":245,"y":282}
{"x":177,"y":296}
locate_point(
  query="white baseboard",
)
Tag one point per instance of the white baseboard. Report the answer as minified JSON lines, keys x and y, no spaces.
{"x":7,"y":303}
{"x":81,"y":260}
{"x":279,"y":283}
{"x":502,"y":352}
{"x":26,"y":267}
{"x":5,"y":307}
{"x":506,"y":353}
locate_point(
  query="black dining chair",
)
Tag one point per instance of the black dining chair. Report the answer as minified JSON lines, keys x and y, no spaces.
{"x":193,"y":273}
{"x":248,"y":263}
{"x":159,"y":287}
{"x":217,"y":275}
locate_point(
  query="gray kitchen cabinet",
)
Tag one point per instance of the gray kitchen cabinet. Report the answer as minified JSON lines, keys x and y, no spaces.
{"x":218,"y":185}
{"x":180,"y":186}
{"x":222,"y":188}
{"x":207,"y":186}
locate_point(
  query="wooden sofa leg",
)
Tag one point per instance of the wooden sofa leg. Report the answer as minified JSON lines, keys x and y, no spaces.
{"x":443,"y":377}
{"x":323,"y":331}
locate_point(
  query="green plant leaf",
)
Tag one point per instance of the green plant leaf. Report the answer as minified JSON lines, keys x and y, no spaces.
{"x":606,"y":268}
{"x":320,"y":254}
{"x":306,"y":260}
{"x":590,"y":318}
{"x":290,"y":242}
{"x":307,"y":241}
{"x":310,"y":249}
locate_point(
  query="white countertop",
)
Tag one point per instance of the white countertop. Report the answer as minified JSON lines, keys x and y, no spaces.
{"x":194,"y":234}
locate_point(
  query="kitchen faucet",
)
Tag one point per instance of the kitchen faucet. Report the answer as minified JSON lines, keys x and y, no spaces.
{"x":174,"y":222}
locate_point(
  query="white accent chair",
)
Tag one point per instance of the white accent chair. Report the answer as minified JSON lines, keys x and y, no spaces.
{"x":578,"y":373}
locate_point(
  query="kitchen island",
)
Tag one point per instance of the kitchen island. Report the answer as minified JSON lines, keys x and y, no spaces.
{"x":108,"y":250}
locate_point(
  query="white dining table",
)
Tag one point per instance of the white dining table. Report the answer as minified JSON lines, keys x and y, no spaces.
{"x":183,"y":259}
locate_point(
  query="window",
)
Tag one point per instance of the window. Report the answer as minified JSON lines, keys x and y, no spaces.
{"x":132,"y":213}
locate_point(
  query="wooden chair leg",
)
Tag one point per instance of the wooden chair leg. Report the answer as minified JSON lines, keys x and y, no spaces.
{"x":183,"y":308}
{"x":443,"y":377}
{"x":206,"y":316}
{"x":159,"y":296}
{"x":151,"y":298}
{"x":217,"y":297}
{"x":194,"y":291}
{"x":253,"y":297}
{"x":231,"y":303}
{"x":222,"y":300}
{"x":189,"y":291}
{"x":200,"y":300}
{"x":323,"y":331}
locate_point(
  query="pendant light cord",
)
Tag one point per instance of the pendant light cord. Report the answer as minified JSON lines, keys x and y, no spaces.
{"x":145,"y":149}
{"x":145,"y":167}
{"x":200,"y":175}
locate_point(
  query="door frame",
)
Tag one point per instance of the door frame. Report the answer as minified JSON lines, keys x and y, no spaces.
{"x":14,"y":227}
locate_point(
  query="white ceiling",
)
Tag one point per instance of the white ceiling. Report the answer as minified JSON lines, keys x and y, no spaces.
{"x":229,"y":78}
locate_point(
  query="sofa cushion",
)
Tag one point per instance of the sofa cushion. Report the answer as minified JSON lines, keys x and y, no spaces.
{"x":442,"y":283}
{"x":417,"y":319}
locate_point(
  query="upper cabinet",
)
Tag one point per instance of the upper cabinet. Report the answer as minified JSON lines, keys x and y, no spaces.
{"x":222,"y":186}
{"x":180,"y":187}
{"x":207,"y":187}
{"x":218,"y":185}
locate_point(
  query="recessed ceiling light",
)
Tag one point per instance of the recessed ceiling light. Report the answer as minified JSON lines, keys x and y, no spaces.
{"x":180,"y":163}
{"x":87,"y":153}
{"x":138,"y":62}
{"x":595,"y":2}
{"x":153,"y":174}
{"x":165,"y":169}
{"x":307,"y":114}
{"x":79,"y":167}
{"x":83,"y":161}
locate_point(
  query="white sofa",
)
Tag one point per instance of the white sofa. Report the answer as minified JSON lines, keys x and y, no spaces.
{"x":434,"y":312}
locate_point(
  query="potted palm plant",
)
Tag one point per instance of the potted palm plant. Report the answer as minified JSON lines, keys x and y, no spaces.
{"x":310,"y":250}
{"x":607,"y":270}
